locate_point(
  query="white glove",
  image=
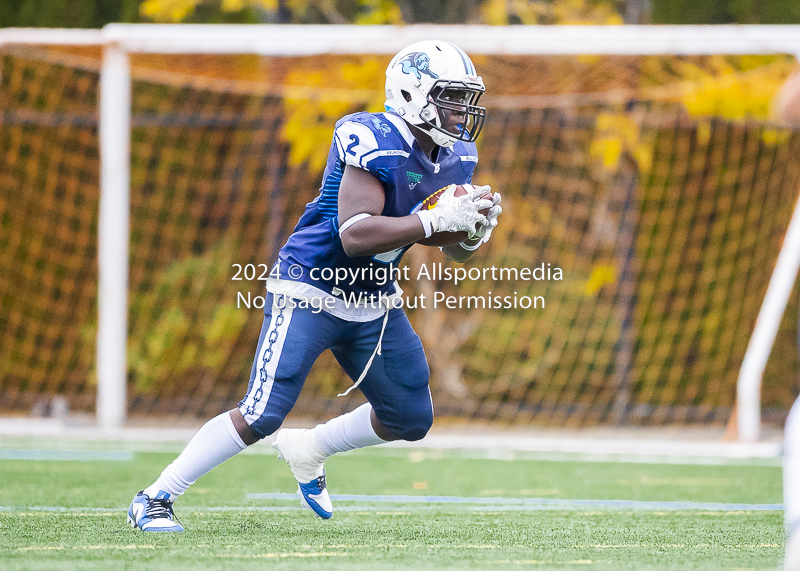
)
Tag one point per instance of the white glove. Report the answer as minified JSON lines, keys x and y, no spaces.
{"x":485,"y":230}
{"x":456,"y":213}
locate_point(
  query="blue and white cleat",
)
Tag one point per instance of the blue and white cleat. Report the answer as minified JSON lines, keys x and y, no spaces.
{"x":298,"y":447}
{"x":152,"y":514}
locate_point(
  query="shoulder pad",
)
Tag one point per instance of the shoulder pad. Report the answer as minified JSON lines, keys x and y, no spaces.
{"x":366,"y":141}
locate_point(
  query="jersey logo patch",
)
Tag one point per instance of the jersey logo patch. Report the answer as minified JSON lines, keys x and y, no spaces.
{"x":381,"y":126}
{"x":417,"y":63}
{"x":413,"y":179}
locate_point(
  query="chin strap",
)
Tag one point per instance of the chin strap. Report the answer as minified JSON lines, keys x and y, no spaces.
{"x":441,"y":139}
{"x":434,"y":123}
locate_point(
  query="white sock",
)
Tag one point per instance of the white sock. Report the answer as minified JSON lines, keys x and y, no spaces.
{"x":347,"y":432}
{"x":791,"y":468}
{"x":214,"y":443}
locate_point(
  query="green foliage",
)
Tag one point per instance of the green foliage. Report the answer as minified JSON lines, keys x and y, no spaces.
{"x":97,"y":13}
{"x":67,"y":13}
{"x":726,"y":12}
{"x":254,"y":11}
{"x":175,"y":335}
{"x":206,"y":12}
{"x":60,"y":13}
{"x":9,"y":12}
{"x":501,"y":12}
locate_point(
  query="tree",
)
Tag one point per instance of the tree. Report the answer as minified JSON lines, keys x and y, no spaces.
{"x":726,"y":12}
{"x":97,"y":13}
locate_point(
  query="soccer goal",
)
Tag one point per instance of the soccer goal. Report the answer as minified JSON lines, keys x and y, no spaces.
{"x":150,"y":173}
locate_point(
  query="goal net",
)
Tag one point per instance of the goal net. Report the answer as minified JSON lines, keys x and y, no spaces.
{"x":645,"y":202}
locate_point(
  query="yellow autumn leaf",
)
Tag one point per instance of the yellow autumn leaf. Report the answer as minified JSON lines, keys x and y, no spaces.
{"x":581,"y":12}
{"x":167,"y":10}
{"x":703,"y":131}
{"x":495,"y":12}
{"x":735,"y":94}
{"x":316,"y":99}
{"x":530,"y":12}
{"x":776,"y":136}
{"x":614,"y":134}
{"x":602,"y":274}
{"x":179,"y":10}
{"x":606,"y":150}
{"x":377,"y":12}
{"x":643,"y":153}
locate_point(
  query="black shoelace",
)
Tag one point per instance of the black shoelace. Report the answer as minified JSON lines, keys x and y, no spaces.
{"x":160,"y":508}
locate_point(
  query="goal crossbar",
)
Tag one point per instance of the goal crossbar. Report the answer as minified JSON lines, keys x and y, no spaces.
{"x":304,"y":40}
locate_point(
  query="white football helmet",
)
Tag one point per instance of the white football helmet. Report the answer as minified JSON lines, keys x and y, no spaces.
{"x":417,"y":78}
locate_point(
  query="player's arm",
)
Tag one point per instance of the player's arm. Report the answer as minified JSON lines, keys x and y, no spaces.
{"x":363,"y":231}
{"x":787,"y":104}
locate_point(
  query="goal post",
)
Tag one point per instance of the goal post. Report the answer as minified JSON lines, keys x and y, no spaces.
{"x":748,"y":386}
{"x":119,"y":41}
{"x":113,"y":236}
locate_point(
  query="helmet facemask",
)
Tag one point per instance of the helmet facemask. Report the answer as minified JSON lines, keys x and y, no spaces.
{"x":449,"y":100}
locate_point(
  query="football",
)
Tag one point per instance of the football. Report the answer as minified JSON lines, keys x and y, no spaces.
{"x":449,"y":238}
{"x":461,"y":189}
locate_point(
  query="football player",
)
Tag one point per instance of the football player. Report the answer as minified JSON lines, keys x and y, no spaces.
{"x":788,"y":107}
{"x":381,"y":168}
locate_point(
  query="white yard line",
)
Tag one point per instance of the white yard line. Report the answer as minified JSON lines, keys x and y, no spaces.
{"x":433,"y":502}
{"x":531,"y":503}
{"x":65,"y":455}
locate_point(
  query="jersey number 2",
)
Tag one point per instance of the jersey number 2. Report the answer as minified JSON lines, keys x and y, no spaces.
{"x":349,"y":149}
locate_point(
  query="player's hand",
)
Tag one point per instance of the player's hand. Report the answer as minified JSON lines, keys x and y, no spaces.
{"x":485,"y":230}
{"x":481,"y":228}
{"x":459,"y":213}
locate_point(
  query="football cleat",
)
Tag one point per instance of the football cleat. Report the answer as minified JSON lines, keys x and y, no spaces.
{"x":152,"y":514}
{"x":299,"y":449}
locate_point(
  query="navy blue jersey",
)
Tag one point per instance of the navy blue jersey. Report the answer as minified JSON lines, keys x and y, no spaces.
{"x":382,"y":144}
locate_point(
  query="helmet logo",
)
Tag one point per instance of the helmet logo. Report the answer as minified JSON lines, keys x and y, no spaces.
{"x":417,"y":63}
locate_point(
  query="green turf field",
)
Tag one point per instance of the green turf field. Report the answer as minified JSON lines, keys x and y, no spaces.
{"x":71,"y":515}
